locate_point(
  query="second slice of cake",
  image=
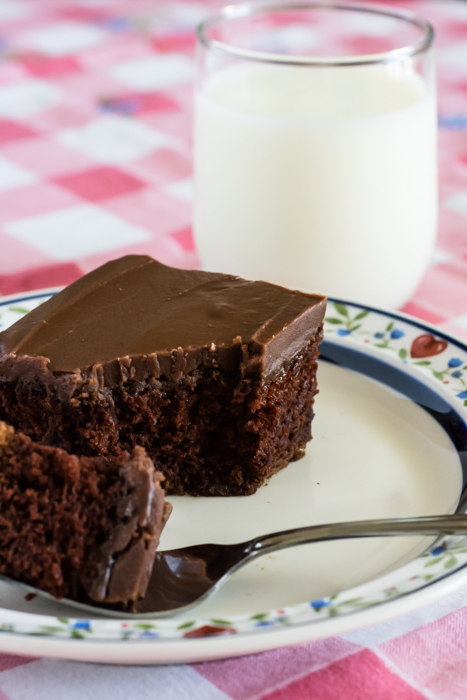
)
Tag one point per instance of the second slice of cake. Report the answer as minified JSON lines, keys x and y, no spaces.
{"x":213,"y":375}
{"x":85,"y":528}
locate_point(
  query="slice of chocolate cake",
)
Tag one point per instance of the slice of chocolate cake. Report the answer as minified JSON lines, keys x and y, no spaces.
{"x":78,"y":527}
{"x":212,"y":374}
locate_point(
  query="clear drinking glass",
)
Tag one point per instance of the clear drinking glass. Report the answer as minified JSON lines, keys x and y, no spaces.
{"x":315,"y":147}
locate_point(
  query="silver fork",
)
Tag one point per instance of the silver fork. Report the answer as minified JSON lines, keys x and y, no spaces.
{"x":183,"y":578}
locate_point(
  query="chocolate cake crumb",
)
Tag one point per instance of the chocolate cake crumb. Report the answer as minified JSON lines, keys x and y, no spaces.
{"x":78,"y":527}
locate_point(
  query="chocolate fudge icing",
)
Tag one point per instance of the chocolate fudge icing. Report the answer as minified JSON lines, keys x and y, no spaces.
{"x":126,"y":559}
{"x":135,"y":318}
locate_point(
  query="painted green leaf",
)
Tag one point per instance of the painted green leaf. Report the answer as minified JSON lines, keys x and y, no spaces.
{"x":465,"y":402}
{"x":334,"y":320}
{"x":48,"y":630}
{"x":403,"y":353}
{"x":65,"y":620}
{"x":217,"y":621}
{"x":333,"y":612}
{"x":423,"y":363}
{"x":19,"y":309}
{"x":428,"y":577}
{"x":355,"y":328}
{"x":432,"y":562}
{"x":452,"y":561}
{"x":259,"y":616}
{"x":145,"y":626}
{"x":437,"y":375}
{"x":361,"y":315}
{"x":381,"y":345}
{"x":75,"y":634}
{"x":390,"y":326}
{"x":341,"y":309}
{"x":186,"y":625}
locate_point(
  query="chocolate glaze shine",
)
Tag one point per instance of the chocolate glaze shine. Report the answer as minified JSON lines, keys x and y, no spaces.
{"x":135,"y":318}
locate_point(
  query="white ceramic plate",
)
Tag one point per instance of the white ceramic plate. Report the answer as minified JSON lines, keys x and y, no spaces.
{"x":390,"y":437}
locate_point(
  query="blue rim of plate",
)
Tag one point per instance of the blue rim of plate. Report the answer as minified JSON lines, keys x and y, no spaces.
{"x":410,"y":356}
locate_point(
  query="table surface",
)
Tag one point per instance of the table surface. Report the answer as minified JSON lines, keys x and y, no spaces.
{"x":95,"y":134}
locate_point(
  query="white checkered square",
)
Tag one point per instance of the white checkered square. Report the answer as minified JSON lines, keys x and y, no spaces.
{"x":457,"y":202}
{"x":460,"y":321}
{"x":155,"y":72}
{"x":115,"y":139}
{"x":453,"y":57}
{"x":185,"y":15}
{"x":28,"y":97}
{"x":12,"y":175}
{"x":70,"y":234}
{"x":102,"y":681}
{"x":12,"y":10}
{"x":455,"y":9}
{"x":181,"y":189}
{"x":439,"y":256}
{"x":62,"y":38}
{"x":370,"y":24}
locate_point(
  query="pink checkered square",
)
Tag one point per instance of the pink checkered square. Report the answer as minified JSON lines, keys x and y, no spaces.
{"x":9,"y":661}
{"x":245,"y":678}
{"x":180,"y":42}
{"x":14,"y":131}
{"x":360,"y":676}
{"x":48,"y":66}
{"x":185,"y":238}
{"x":420,"y":312}
{"x":41,"y":277}
{"x":99,"y":183}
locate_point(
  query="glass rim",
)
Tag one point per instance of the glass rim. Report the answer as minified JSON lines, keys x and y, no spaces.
{"x":248,"y":9}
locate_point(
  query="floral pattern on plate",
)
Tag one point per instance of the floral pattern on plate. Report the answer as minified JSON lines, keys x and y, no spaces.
{"x":444,"y":359}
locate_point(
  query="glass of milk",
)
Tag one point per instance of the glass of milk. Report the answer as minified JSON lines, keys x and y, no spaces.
{"x":315,"y":148}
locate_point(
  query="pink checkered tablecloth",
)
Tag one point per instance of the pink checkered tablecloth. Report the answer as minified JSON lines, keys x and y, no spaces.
{"x":95,"y":162}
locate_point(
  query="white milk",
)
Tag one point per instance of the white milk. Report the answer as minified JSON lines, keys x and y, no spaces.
{"x":318,"y":178}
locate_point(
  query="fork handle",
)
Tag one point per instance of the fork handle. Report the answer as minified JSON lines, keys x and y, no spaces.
{"x":428,"y":525}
